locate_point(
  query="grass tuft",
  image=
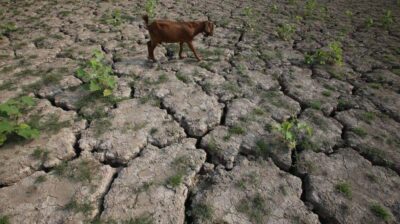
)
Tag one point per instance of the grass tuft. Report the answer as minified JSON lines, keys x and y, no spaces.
{"x":344,"y":188}
{"x":202,"y":212}
{"x":4,"y":219}
{"x":359,"y":131}
{"x":254,"y":208}
{"x":381,"y":212}
{"x":175,"y":180}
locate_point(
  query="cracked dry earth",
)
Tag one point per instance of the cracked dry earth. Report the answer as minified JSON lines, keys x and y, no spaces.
{"x":180,"y":145}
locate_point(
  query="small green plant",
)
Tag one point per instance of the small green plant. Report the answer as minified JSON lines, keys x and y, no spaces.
{"x":78,"y":172}
{"x":327,"y":93}
{"x":349,"y":14}
{"x":336,"y":52}
{"x":249,"y":21}
{"x":368,"y":117}
{"x":291,"y":129}
{"x":274,"y":8}
{"x":153,"y":131}
{"x":359,"y":131}
{"x":151,"y":7}
{"x":82,"y":171}
{"x":250,"y":179}
{"x":387,"y":19}
{"x":369,"y":22}
{"x":145,"y":219}
{"x":50,"y":123}
{"x":10,"y":125}
{"x":343,"y":104}
{"x":344,"y":188}
{"x":40,"y":179}
{"x":299,"y":18}
{"x":4,"y":219}
{"x":76,"y":207}
{"x":7,"y":28}
{"x":175,"y":180}
{"x":182,"y":77}
{"x":202,"y":212}
{"x":40,"y":154}
{"x":181,"y":163}
{"x":381,"y":212}
{"x":262,"y":148}
{"x":237,"y":130}
{"x":315,"y":104}
{"x":60,"y":169}
{"x":99,"y":75}
{"x":286,"y":31}
{"x":212,"y":145}
{"x":334,"y":55}
{"x":310,"y":7}
{"x":254,"y":208}
{"x":114,"y":19}
{"x":231,"y":87}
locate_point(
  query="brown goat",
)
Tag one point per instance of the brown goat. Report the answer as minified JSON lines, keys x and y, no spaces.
{"x":165,"y":31}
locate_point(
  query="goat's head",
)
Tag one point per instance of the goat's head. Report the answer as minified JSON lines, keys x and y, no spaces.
{"x":208,"y":28}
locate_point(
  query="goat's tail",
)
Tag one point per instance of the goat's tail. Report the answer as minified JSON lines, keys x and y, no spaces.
{"x":146,"y":19}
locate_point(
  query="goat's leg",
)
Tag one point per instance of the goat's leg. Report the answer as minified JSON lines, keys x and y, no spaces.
{"x":194,"y":51}
{"x":149,"y":49}
{"x":180,"y":50}
{"x":153,"y":45}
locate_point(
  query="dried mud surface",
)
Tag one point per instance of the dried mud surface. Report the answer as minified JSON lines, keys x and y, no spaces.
{"x":182,"y":142}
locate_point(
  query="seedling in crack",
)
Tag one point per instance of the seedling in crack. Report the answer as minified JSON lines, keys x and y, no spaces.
{"x":77,"y":207}
{"x":291,"y":130}
{"x":99,"y":75}
{"x":250,"y":20}
{"x":201,"y":212}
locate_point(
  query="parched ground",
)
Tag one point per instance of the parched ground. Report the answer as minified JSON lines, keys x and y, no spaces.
{"x":183,"y":141}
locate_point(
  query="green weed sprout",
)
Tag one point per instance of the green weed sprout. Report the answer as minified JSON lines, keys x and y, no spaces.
{"x":151,"y":7}
{"x":249,"y":18}
{"x":387,"y":19}
{"x":290,"y":131}
{"x":334,"y":55}
{"x":99,"y":75}
{"x":10,"y":111}
{"x":286,"y":31}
